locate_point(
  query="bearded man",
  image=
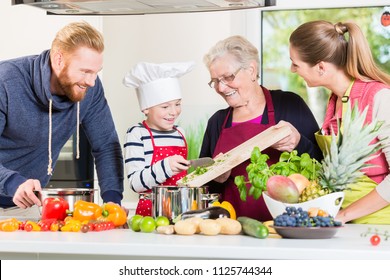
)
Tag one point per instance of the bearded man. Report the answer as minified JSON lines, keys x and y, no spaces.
{"x":44,"y":99}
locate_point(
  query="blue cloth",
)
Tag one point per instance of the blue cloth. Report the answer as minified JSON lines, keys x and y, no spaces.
{"x":24,"y":127}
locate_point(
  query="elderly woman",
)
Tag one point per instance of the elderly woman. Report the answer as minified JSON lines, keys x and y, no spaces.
{"x":233,"y":64}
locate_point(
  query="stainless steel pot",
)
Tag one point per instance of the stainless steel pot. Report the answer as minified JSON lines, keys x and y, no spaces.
{"x":171,"y":201}
{"x":69,"y":194}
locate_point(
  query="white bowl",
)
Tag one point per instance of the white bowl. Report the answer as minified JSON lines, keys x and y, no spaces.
{"x":330,"y":203}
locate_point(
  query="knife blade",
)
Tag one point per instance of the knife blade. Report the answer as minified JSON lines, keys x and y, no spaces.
{"x":201,"y":162}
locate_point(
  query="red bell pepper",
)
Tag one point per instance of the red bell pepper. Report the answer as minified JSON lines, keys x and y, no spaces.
{"x":54,"y":208}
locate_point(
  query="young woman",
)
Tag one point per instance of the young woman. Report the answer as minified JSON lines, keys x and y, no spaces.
{"x":338,"y":57}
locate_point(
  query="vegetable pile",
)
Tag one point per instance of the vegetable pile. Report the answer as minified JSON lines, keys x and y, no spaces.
{"x":259,"y":172}
{"x":87,"y":216}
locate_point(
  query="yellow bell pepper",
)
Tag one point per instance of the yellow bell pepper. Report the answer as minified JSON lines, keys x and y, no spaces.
{"x":228,"y":206}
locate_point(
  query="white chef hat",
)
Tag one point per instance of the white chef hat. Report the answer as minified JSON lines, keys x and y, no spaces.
{"x":157,"y":83}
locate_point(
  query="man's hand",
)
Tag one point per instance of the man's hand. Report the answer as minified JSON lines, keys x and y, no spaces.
{"x":24,"y":196}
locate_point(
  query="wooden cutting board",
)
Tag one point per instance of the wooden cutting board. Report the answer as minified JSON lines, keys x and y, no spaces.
{"x":235,"y":156}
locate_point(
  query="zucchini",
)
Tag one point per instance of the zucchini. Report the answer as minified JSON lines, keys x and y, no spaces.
{"x":253,"y":227}
{"x":213,"y":212}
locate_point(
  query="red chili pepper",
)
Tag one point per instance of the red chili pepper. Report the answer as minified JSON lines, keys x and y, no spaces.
{"x":54,"y":208}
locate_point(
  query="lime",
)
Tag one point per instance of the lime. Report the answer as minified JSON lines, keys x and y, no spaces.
{"x":134,"y":222}
{"x":147,"y":224}
{"x":162,"y":221}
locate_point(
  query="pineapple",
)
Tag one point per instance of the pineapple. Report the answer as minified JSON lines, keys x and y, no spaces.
{"x":344,"y":161}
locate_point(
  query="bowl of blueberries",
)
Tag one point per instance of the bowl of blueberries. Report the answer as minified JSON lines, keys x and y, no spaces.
{"x":313,"y":223}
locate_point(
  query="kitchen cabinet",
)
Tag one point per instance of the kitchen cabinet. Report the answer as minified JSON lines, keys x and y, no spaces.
{"x":126,"y":244}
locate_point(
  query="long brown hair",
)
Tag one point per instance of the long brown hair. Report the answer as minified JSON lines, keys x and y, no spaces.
{"x":321,"y":40}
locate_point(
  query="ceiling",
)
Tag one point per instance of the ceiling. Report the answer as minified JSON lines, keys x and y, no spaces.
{"x":140,"y":7}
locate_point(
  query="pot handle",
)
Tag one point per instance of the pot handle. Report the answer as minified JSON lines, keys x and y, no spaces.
{"x":146,"y":195}
{"x":211,"y":197}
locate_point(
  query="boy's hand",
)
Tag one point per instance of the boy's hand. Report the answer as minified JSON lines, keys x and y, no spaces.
{"x":178,"y":164}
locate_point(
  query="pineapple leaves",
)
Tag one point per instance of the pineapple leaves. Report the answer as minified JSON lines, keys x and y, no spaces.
{"x":350,"y":150}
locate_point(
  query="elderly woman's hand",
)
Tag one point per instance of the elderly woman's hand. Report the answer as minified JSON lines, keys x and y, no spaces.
{"x":223,"y":177}
{"x":289,"y":142}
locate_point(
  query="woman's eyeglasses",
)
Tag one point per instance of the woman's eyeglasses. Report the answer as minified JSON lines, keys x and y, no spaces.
{"x":225,"y":80}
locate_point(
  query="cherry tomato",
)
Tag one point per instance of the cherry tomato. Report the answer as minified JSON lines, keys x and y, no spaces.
{"x":84,"y":228}
{"x":111,"y":225}
{"x":375,"y":239}
{"x":98,"y":227}
{"x":91,"y":226}
{"x":22,"y":224}
{"x":28,"y":227}
{"x":45,"y":227}
{"x":54,"y":227}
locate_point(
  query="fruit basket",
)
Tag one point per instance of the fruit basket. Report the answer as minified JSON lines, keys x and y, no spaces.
{"x":330,"y":203}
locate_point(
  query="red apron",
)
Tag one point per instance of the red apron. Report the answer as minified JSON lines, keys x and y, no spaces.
{"x":232,"y":137}
{"x":144,"y":206}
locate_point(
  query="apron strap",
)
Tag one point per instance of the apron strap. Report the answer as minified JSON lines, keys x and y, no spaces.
{"x":345,"y":102}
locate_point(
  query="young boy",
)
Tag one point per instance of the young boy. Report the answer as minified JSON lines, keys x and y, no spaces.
{"x":156,"y":149}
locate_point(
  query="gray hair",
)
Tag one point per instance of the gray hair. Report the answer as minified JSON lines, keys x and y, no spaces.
{"x":240,"y":48}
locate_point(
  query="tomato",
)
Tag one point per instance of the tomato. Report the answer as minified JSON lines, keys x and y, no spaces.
{"x":28,"y":227}
{"x":55,"y":227}
{"x":45,"y":227}
{"x":91,"y":226}
{"x":22,"y":224}
{"x":375,"y":239}
{"x":84,"y":228}
{"x":111,"y":225}
{"x":98,"y":227}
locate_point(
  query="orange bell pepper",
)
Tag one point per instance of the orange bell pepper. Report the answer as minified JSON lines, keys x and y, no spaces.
{"x":86,"y":211}
{"x":228,"y":206}
{"x":113,"y":212}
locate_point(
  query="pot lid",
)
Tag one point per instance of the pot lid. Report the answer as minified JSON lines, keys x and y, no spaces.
{"x":140,"y":7}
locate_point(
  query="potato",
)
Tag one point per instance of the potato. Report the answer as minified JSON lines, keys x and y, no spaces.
{"x":196,"y":221}
{"x":210,"y":227}
{"x":169,"y":229}
{"x":229,"y":226}
{"x":184,"y":227}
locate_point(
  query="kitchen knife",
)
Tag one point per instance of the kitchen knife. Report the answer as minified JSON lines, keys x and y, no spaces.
{"x":201,"y":162}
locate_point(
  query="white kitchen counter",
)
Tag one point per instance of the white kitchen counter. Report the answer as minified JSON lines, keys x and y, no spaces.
{"x":126,"y":244}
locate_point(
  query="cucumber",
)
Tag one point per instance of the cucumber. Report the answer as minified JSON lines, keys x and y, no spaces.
{"x":253,"y":227}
